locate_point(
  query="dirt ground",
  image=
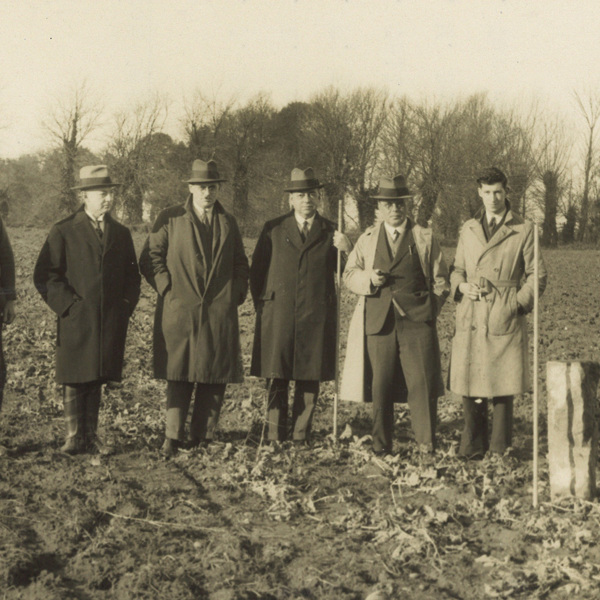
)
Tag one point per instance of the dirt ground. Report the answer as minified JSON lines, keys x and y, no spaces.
{"x":242,"y":521}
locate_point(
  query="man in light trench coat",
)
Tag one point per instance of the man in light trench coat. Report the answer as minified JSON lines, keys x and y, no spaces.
{"x":292,"y":281}
{"x":492,"y":282}
{"x":87,"y":273}
{"x":194,"y":258}
{"x":398,"y":272}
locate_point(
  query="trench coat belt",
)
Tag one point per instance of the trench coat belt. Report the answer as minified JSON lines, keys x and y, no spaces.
{"x":498,"y":283}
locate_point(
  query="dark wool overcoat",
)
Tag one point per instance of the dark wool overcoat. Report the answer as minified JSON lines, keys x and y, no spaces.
{"x":92,"y":285}
{"x":293,"y":288}
{"x":196,"y":332}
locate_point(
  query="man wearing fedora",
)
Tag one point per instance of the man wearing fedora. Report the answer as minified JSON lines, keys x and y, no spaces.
{"x":398,"y":272}
{"x":87,"y":273}
{"x":194,"y":258}
{"x":292,"y":280}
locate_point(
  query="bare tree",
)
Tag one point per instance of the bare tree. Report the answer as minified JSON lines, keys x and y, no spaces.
{"x":589,"y":107}
{"x":131,"y":150}
{"x":204,"y":123}
{"x":70,"y":120}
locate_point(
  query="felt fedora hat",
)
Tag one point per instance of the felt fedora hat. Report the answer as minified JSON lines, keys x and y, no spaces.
{"x":94,"y":177}
{"x":205,"y":172}
{"x":303,"y":181}
{"x":392,"y":189}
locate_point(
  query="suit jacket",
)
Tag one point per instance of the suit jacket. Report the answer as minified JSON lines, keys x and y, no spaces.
{"x":357,"y":279}
{"x":92,"y":286}
{"x":196,"y":331}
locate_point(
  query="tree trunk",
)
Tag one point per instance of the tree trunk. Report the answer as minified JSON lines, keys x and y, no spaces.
{"x":549,"y":234}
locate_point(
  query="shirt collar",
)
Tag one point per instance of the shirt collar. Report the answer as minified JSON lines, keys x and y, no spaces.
{"x":100,"y":218}
{"x":208,"y":211}
{"x":300,"y":220}
{"x":400,"y":228}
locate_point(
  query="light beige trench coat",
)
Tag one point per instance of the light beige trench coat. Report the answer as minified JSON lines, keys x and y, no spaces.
{"x":489,"y":349}
{"x":357,"y":278}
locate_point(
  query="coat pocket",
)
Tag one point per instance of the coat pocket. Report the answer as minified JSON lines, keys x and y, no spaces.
{"x":503,"y":312}
{"x":464,"y":314}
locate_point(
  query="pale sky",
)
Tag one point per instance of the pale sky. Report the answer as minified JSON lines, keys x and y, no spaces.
{"x":130,"y":49}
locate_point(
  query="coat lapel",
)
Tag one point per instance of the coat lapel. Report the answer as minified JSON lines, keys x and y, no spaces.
{"x":477,"y":230}
{"x":382,"y":252}
{"x":109,"y":233}
{"x":223,"y":225}
{"x":87,"y":230}
{"x":195,"y":233}
{"x":501,"y":234}
{"x":292,"y":231}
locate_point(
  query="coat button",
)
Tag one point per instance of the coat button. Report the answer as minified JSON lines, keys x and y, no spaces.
{"x":473,"y":328}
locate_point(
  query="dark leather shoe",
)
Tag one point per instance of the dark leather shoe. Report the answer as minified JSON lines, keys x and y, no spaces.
{"x":169,"y":448}
{"x":383,"y":452}
{"x":73,"y":445}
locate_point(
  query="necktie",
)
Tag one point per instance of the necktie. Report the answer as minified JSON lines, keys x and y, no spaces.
{"x":204,"y":218}
{"x":98,"y":228}
{"x":492,"y":225}
{"x":304,"y":232}
{"x":395,"y":235}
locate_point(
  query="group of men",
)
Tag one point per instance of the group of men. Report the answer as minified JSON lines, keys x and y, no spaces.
{"x":194,"y":258}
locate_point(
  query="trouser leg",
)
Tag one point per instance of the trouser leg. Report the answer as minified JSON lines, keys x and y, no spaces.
{"x":207,"y":408}
{"x":382,"y":353}
{"x":277,"y":409}
{"x":179,"y":394}
{"x":502,"y":424}
{"x":474,"y":440}
{"x":418,"y":358}
{"x":91,"y":396}
{"x":74,"y":407}
{"x":306,"y":393}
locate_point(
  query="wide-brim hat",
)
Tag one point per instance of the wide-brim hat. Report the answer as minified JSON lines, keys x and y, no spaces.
{"x":392,"y":188}
{"x":205,"y":172}
{"x":303,"y":181}
{"x":94,"y":177}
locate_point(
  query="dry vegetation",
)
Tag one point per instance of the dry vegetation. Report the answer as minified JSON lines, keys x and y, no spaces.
{"x":244,"y":521}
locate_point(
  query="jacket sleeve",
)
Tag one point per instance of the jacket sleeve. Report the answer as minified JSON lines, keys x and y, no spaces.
{"x":132,"y":274}
{"x":525,"y":294}
{"x":154,"y":264}
{"x":49,"y":274}
{"x":458,"y":273}
{"x":261,"y":260}
{"x":240,"y":264}
{"x":356,"y":278}
{"x":439,"y":274}
{"x":7,"y":268}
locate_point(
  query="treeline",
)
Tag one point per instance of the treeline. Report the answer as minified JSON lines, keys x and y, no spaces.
{"x":351,"y":139}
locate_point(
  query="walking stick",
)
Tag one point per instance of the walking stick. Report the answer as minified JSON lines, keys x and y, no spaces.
{"x":536,"y":299}
{"x":337,"y":321}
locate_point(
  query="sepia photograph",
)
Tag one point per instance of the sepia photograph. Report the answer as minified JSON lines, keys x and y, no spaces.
{"x":299,"y":299}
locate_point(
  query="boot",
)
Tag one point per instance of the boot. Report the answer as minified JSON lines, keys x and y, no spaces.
{"x":74,"y":421}
{"x":92,"y":407}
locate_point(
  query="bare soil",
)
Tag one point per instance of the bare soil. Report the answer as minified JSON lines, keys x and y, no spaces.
{"x":241,"y":520}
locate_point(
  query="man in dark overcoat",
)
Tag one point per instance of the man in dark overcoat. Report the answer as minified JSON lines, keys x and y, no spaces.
{"x":194,"y":258}
{"x":292,"y":280}
{"x":398,"y":271}
{"x":87,"y":273}
{"x":7,"y":299}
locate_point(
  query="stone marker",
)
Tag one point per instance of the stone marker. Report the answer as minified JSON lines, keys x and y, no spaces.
{"x":572,"y":427}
